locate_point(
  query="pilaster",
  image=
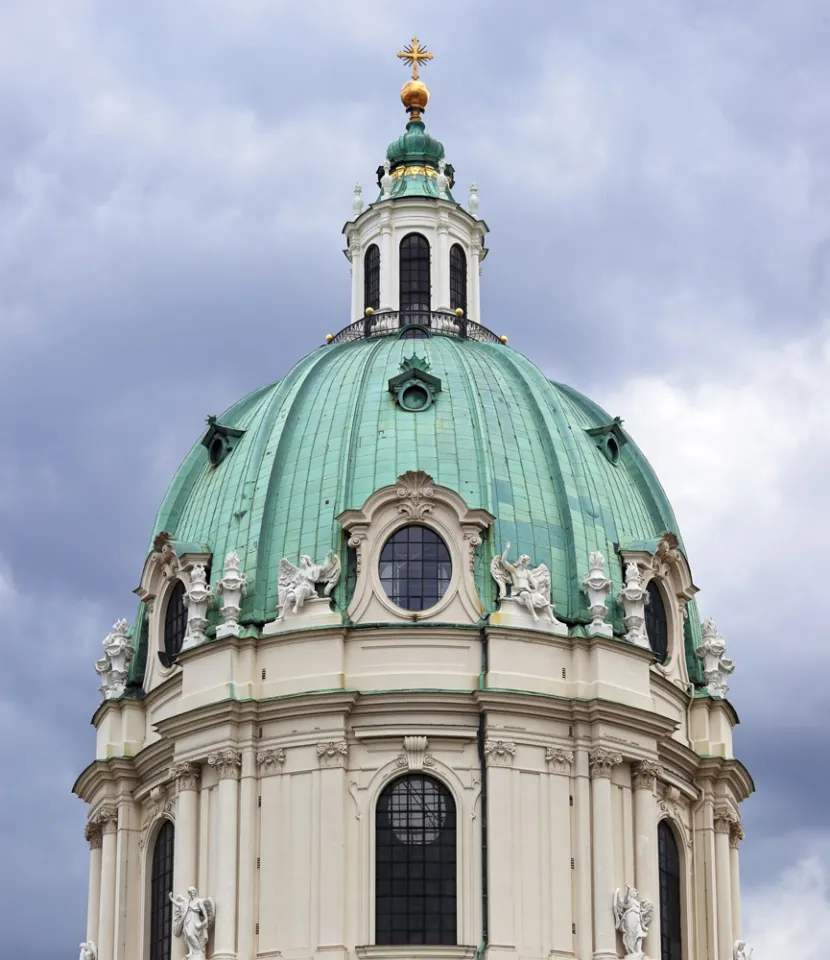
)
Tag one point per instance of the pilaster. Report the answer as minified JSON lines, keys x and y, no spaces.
{"x":227,"y":764}
{"x":93,"y":835}
{"x":644,"y":774}
{"x":107,"y":819}
{"x":186,"y":776}
{"x":725,"y":821}
{"x":602,"y":763}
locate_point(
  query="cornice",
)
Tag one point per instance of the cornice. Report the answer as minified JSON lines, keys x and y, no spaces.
{"x":101,"y":773}
{"x":731,"y":772}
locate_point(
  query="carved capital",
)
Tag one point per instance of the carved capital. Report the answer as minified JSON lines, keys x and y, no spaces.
{"x":415,"y":756}
{"x":107,"y":820}
{"x":736,"y":834}
{"x":185,"y":775}
{"x":92,"y":833}
{"x":499,"y":753}
{"x":644,"y":774}
{"x":270,"y":761}
{"x":333,"y":753}
{"x":602,"y":762}
{"x":725,"y":820}
{"x":226,"y":762}
{"x":559,"y":760}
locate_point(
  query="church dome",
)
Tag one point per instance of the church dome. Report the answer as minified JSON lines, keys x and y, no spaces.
{"x":560,"y":476}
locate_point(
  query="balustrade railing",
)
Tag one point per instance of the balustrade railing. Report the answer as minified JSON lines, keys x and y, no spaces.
{"x":388,"y":323}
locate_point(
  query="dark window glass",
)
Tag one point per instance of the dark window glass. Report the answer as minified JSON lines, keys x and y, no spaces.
{"x":415,"y":568}
{"x":371,"y":278}
{"x":414,"y":333}
{"x":415,"y":279}
{"x":415,"y":872}
{"x":656,"y":625}
{"x":161,"y":886}
{"x":458,"y":278}
{"x":175,"y":625}
{"x":671,"y":924}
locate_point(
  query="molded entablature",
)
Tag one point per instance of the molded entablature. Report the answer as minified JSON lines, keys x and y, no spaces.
{"x":666,"y":565}
{"x":415,"y":499}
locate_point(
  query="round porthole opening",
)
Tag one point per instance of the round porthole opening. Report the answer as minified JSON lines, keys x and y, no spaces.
{"x":415,"y":568}
{"x":216,"y":450}
{"x":612,"y":450}
{"x":415,"y":397}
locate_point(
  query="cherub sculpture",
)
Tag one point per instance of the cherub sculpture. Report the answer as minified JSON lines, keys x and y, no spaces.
{"x":191,"y":919}
{"x":632,"y":917}
{"x":742,"y":951}
{"x":530,"y":587}
{"x":298,"y":584}
{"x":88,"y":951}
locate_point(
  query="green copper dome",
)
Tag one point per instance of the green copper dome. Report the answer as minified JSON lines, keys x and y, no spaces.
{"x":414,"y":163}
{"x":559,"y":475}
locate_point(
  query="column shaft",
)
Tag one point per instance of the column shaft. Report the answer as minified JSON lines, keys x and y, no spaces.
{"x":388,"y":268}
{"x":227,"y":763}
{"x":248,"y":851}
{"x":441,"y":268}
{"x":582,"y":817}
{"x":356,"y":261}
{"x":106,"y":913}
{"x":474,"y":312}
{"x":94,"y":900}
{"x":185,"y":838}
{"x":602,"y":845}
{"x":646,"y":867}
{"x":723,"y":890}
{"x":735,"y":878}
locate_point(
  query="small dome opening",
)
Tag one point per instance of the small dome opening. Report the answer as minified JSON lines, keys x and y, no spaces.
{"x":415,"y":568}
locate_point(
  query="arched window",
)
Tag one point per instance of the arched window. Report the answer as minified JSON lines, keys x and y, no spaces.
{"x":175,"y":625}
{"x":415,"y":568}
{"x":656,"y":625}
{"x":371,"y":278}
{"x":671,"y":924}
{"x":415,"y":279}
{"x":161,"y":886}
{"x":458,"y":278}
{"x":415,"y":871}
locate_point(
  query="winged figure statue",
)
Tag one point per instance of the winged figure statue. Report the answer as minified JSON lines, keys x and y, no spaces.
{"x":88,"y":951}
{"x":632,"y":917}
{"x":530,"y":587}
{"x":192,"y":918}
{"x":298,"y":584}
{"x":742,"y":951}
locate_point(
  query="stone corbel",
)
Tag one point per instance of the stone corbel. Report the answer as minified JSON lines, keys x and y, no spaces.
{"x":415,"y":756}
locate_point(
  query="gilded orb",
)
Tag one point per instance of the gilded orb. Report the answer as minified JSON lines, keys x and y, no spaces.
{"x":415,"y":95}
{"x":503,"y":340}
{"x":459,"y":312}
{"x":369,"y":311}
{"x":329,"y":337}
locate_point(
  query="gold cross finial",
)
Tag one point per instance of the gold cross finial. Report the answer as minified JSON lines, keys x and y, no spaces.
{"x":412,"y":54}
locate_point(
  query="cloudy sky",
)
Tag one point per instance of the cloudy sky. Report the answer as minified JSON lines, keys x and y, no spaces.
{"x":173,"y":181}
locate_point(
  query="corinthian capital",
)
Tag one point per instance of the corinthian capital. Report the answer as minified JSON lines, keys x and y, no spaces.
{"x":725,"y":820}
{"x":602,"y":762}
{"x":185,"y":774}
{"x":92,"y":833}
{"x":644,"y":774}
{"x":107,"y":820}
{"x":227,"y":763}
{"x":736,"y":834}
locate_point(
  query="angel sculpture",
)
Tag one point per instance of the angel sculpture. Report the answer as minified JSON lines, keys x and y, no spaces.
{"x":191,"y":919}
{"x":632,"y":917}
{"x":742,"y":951}
{"x":298,"y":584}
{"x":88,"y":951}
{"x":529,"y":587}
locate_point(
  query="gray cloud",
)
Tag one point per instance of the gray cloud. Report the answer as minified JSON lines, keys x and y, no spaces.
{"x":173,"y":179}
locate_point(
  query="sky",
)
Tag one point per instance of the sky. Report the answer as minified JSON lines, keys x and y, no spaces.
{"x":173,"y":182}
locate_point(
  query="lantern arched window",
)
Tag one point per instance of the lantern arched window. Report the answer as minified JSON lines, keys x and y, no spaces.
{"x":371,"y":278}
{"x":415,"y":279}
{"x":458,"y":278}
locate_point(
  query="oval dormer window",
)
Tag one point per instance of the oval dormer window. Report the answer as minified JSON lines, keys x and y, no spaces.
{"x":656,"y":623}
{"x":175,"y":625}
{"x":415,"y":568}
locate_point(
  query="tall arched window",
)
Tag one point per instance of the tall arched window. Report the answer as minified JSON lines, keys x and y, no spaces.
{"x":371,"y":278}
{"x":161,"y":886}
{"x":458,"y":278}
{"x":415,"y":279}
{"x":175,"y":625}
{"x":656,"y":624}
{"x":671,"y":923}
{"x":415,"y":869}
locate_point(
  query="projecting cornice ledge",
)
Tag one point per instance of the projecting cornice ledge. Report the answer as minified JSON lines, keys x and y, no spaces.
{"x":415,"y":953}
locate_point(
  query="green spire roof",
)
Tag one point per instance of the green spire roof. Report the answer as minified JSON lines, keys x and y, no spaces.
{"x":414,"y":158}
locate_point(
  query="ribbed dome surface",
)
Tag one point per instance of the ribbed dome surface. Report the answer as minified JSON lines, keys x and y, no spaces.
{"x":322,"y":439}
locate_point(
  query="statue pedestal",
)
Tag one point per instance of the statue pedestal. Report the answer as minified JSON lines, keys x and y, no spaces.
{"x":513,"y":613}
{"x":316,"y":612}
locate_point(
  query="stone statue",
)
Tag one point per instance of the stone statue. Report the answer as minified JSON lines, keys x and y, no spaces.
{"x":632,"y":917}
{"x":742,"y":951}
{"x":716,"y":665}
{"x":386,"y":180}
{"x":112,"y":667}
{"x":298,"y":584}
{"x":633,"y":597}
{"x":191,"y":919}
{"x":357,"y":200}
{"x":88,"y":951}
{"x":597,"y":587}
{"x":530,"y":587}
{"x":198,"y":599}
{"x":442,"y":180}
{"x":473,"y":203}
{"x":231,"y":588}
